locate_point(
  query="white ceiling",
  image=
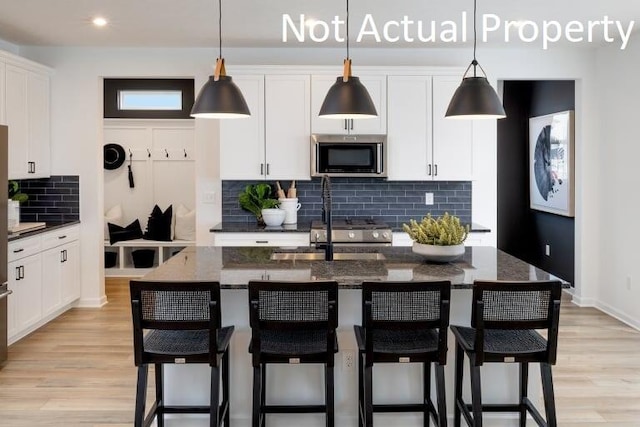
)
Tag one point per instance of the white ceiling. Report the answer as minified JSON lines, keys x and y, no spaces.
{"x":256,"y":23}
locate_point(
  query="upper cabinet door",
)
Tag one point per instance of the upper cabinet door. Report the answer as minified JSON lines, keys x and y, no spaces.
{"x":17,"y":119}
{"x":452,"y":138}
{"x":288,"y":128}
{"x":377,"y":87}
{"x":38,"y":100}
{"x":409,"y":128}
{"x":242,"y":140}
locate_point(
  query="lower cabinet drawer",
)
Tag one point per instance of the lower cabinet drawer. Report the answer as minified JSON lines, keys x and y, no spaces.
{"x":261,"y":239}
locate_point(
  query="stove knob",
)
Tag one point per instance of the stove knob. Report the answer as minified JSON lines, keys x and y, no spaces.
{"x":385,"y":235}
{"x":375,"y":235}
{"x":352,"y":235}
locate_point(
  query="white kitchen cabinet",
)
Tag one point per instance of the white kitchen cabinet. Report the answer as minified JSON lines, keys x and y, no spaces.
{"x":287,"y":124}
{"x":44,"y":275}
{"x":274,"y":142}
{"x":423,"y":144}
{"x":376,"y":86}
{"x":27,"y":113}
{"x":242,"y":147}
{"x":25,"y":304}
{"x":284,"y":239}
{"x":452,"y":138}
{"x":409,"y":138}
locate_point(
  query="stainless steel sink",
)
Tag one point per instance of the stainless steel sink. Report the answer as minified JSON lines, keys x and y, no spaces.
{"x":319,"y":256}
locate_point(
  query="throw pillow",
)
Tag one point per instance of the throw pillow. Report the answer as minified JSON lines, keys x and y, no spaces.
{"x":130,"y":232}
{"x":185,"y":224}
{"x":113,"y":216}
{"x":159,"y":224}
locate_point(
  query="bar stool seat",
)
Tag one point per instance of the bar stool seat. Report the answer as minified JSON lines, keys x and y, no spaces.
{"x":392,"y":342}
{"x":502,"y":341}
{"x":294,"y":343}
{"x":185,"y":343}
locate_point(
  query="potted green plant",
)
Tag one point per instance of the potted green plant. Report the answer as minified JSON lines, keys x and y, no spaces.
{"x":13,"y":205}
{"x":255,"y":198}
{"x":438,"y":239}
{"x":15,"y":194}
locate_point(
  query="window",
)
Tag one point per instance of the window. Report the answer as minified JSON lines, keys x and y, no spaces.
{"x":148,"y":98}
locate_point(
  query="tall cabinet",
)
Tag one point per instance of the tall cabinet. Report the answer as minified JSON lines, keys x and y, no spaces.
{"x":25,"y":100}
{"x":269,"y":144}
{"x":423,"y":144}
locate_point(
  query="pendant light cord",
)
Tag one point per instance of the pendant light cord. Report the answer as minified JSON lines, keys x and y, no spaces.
{"x":347,"y":29}
{"x":220,"y":27}
{"x":475,"y":37}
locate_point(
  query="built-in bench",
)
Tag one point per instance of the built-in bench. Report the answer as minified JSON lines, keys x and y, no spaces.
{"x":124,"y":265}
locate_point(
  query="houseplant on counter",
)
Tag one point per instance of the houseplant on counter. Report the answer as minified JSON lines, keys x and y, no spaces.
{"x":255,"y":198}
{"x":438,"y":239}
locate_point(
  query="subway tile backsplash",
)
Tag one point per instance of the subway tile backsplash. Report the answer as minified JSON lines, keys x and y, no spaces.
{"x":390,"y":201}
{"x":54,"y":199}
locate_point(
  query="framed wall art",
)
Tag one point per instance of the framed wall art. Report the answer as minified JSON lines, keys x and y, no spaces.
{"x":551,"y":163}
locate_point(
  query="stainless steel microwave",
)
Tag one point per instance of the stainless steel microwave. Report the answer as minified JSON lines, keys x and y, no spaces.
{"x":349,"y":155}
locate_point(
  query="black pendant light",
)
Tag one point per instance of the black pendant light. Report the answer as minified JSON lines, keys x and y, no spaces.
{"x":347,"y":98}
{"x":220,"y":98}
{"x":475,"y":98}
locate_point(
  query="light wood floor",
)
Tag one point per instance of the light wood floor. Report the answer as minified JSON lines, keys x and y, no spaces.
{"x":78,"y":370}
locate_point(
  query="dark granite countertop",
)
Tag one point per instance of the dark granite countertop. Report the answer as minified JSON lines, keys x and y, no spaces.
{"x":50,"y":226}
{"x":233,"y":267}
{"x":302,"y":227}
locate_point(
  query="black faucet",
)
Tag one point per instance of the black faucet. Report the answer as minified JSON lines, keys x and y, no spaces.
{"x":326,"y":218}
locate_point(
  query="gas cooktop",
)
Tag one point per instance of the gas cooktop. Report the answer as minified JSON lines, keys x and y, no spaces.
{"x":352,"y":224}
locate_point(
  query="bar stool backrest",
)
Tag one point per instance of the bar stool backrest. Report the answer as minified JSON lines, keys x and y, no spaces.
{"x":517,"y":306}
{"x":406,"y":306}
{"x":174,"y":306}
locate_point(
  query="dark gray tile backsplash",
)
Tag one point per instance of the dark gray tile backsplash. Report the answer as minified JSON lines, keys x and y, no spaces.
{"x":54,"y":199}
{"x":391,"y":201}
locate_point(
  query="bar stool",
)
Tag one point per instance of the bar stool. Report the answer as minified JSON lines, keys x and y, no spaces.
{"x":175,"y":323}
{"x":504,"y":319}
{"x":292,"y":323}
{"x":403,"y":322}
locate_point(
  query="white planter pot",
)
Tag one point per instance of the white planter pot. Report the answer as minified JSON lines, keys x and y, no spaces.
{"x":438,"y":253}
{"x":13,"y":214}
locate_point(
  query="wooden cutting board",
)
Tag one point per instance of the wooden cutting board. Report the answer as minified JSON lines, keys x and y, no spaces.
{"x":27,"y":226}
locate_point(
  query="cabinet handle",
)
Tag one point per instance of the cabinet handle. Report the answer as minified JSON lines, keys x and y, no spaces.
{"x":344,"y":122}
{"x":34,"y":167}
{"x":435,"y":168}
{"x":261,"y":168}
{"x":21,"y":272}
{"x":17,"y":273}
{"x":262,"y":241}
{"x":65,"y":255}
{"x":18,"y":250}
{"x":267,"y":168}
{"x":351,"y":124}
{"x":64,"y":236}
{"x":429,"y":171}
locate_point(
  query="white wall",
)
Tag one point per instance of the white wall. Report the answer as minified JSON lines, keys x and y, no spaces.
{"x":618,"y":250}
{"x":77,"y":124}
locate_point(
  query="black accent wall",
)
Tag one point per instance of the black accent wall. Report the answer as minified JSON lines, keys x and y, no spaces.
{"x":522,"y":231}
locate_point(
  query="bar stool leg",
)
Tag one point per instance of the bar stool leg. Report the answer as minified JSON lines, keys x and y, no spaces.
{"x":476,"y":395}
{"x":141,"y":394}
{"x":426,"y":390}
{"x":547,"y":391}
{"x":458,"y":385}
{"x":524,"y":382}
{"x":368,"y":397}
{"x":158,"y":367}
{"x":257,"y":386}
{"x":329,"y":396}
{"x":214,"y":401}
{"x":442,"y":403}
{"x":263,"y":394}
{"x":225,"y":388}
{"x":361,"y":363}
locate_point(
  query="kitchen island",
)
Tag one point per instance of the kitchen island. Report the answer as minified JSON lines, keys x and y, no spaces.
{"x":234,"y":267}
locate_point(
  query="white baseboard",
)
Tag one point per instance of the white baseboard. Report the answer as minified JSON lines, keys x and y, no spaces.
{"x":92,"y":302}
{"x":583,"y":302}
{"x":617,"y":314}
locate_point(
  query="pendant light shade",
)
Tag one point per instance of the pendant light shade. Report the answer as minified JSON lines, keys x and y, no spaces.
{"x":220,"y":97}
{"x":348,"y":98}
{"x":475,"y":98}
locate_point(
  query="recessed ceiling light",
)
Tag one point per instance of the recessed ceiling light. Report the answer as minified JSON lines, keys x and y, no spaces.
{"x":99,"y":21}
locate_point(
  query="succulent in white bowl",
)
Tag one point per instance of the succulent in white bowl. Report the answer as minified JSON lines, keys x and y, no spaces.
{"x":438,"y":239}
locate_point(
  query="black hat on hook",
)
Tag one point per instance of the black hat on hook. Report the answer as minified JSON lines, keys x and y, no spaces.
{"x":114,"y":156}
